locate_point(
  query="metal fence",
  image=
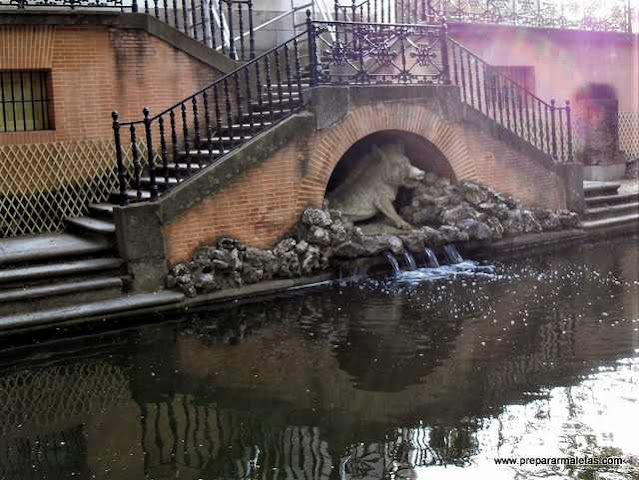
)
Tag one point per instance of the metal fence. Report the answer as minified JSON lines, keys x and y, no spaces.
{"x":629,"y":134}
{"x":42,"y":184}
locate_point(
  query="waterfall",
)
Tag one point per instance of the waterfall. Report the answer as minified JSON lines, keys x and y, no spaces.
{"x":452,"y":254}
{"x":431,"y":258}
{"x":410,"y":261}
{"x":393,"y":261}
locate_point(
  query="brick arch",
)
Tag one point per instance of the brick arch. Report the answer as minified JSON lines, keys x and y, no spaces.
{"x":331,"y":144}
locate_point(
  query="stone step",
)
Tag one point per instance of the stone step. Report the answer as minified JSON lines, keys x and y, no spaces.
{"x":131,"y":303}
{"x":91,"y":225}
{"x":131,"y":194}
{"x":103,"y":211}
{"x":42,"y":248}
{"x":160,"y":181}
{"x":33,"y":273}
{"x":610,"y":211}
{"x":606,"y":225}
{"x":201,"y":153}
{"x":225,"y":140}
{"x":594,"y":202}
{"x":276,"y":103}
{"x":59,"y":288}
{"x":597,"y":189}
{"x":63,"y":292}
{"x":245,"y":126}
{"x":181,"y":167}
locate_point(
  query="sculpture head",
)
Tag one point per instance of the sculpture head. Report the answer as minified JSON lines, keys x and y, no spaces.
{"x":397,"y":169}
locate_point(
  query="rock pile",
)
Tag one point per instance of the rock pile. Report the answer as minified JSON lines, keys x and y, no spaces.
{"x":441,"y":213}
{"x":472,"y":211}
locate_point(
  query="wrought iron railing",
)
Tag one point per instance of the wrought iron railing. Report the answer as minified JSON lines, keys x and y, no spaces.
{"x":580,"y":15}
{"x":375,"y":53}
{"x":364,"y":53}
{"x":224,"y":25}
{"x":369,"y":11}
{"x":543,"y":124}
{"x":572,"y":14}
{"x":120,"y":5}
{"x":183,"y":139}
{"x":169,"y":147}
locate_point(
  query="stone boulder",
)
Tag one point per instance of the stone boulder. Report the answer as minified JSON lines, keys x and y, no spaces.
{"x":458,"y":214}
{"x":475,"y":229}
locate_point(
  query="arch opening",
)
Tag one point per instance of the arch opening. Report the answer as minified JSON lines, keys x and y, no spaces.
{"x":421,"y":153}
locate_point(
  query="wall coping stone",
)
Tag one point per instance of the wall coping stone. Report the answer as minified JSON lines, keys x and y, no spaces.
{"x":124,"y":21}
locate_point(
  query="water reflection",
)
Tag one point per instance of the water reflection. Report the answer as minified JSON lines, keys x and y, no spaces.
{"x":408,"y":377}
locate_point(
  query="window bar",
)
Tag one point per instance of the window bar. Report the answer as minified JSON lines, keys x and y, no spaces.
{"x":13,"y":101}
{"x":33,"y":108}
{"x":5,"y":127}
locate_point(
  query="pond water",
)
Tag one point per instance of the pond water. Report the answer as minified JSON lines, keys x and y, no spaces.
{"x":429,"y":375}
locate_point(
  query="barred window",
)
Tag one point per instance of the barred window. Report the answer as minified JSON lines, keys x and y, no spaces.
{"x":25,"y":100}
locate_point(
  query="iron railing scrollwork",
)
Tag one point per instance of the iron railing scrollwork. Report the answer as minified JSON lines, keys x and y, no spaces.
{"x":575,"y":14}
{"x":196,"y":132}
{"x":71,"y":4}
{"x":158,"y":152}
{"x":376,"y":53}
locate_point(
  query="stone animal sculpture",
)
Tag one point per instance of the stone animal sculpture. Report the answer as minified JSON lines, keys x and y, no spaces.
{"x":371,"y":188}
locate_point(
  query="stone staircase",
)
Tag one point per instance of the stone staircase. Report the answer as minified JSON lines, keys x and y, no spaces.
{"x":265,"y":113}
{"x":609,"y":211}
{"x":57,"y":277}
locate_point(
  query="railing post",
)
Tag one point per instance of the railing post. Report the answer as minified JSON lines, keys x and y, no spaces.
{"x":251,"y":30}
{"x":312,"y":64}
{"x":229,"y":17}
{"x":150,"y":154}
{"x":443,"y":40}
{"x":569,"y":131}
{"x":553,"y":127}
{"x":134,"y":6}
{"x":119,"y":160}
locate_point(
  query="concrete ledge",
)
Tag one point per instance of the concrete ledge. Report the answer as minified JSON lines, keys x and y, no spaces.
{"x":133,"y":308}
{"x":524,"y":243}
{"x":257,"y":290}
{"x":123,"y":21}
{"x":604,"y":173}
{"x":84,"y":312}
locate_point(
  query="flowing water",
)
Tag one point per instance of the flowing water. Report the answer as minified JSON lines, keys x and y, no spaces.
{"x":392,"y":260}
{"x":452,"y":255}
{"x":430,"y":258}
{"x":431,"y":374}
{"x":411,"y":264}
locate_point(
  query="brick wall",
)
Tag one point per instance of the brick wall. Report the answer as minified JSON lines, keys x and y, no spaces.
{"x":261,"y":205}
{"x":95,"y":70}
